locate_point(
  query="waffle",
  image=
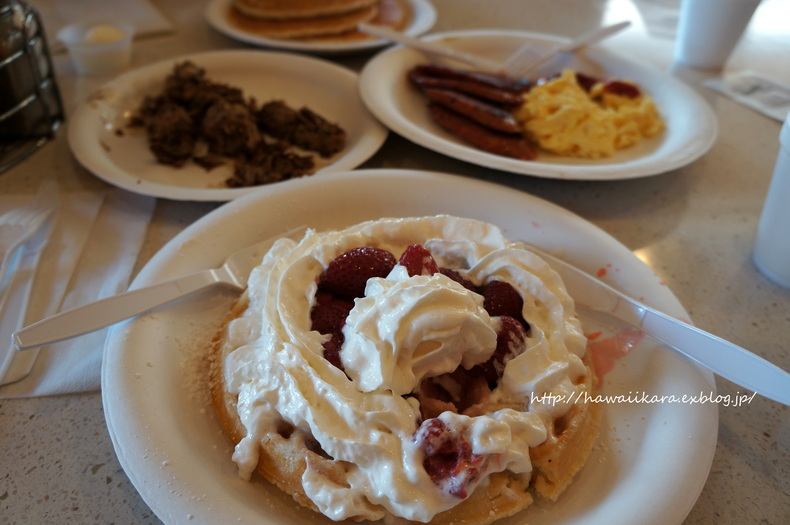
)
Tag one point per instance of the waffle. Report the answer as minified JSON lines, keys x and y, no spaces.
{"x":286,"y":454}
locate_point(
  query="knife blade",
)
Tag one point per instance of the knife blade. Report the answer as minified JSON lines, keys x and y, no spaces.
{"x":722,"y":357}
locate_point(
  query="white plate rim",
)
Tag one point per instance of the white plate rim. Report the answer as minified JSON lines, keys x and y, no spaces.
{"x":87,"y":125}
{"x":423,"y":20}
{"x":382,"y":77}
{"x":171,"y":489}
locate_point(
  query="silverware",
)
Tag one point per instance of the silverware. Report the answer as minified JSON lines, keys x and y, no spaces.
{"x":521,"y":62}
{"x":721,"y":357}
{"x":527,"y":58}
{"x":99,"y":314}
{"x":432,"y":48}
{"x":718,"y":355}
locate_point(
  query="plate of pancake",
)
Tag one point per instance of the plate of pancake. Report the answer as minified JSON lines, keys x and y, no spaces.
{"x":320,"y":26}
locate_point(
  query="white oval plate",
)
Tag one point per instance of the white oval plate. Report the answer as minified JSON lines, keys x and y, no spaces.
{"x":100,"y":142}
{"x":650,"y":464}
{"x":691,"y":124}
{"x":423,"y":16}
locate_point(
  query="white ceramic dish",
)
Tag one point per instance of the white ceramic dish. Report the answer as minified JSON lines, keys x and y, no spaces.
{"x":423,"y":16}
{"x":100,"y":142}
{"x":691,"y":124}
{"x":649,"y":467}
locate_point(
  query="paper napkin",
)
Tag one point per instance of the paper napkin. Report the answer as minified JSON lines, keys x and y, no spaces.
{"x":91,"y":255}
{"x":56,"y":14}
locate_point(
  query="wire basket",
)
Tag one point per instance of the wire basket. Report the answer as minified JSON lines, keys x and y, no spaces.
{"x":30,"y":105}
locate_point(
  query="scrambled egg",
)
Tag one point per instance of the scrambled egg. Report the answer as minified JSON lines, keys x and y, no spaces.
{"x":562,"y":118}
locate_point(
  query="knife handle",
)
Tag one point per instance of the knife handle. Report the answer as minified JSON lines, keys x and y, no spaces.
{"x":722,"y":357}
{"x":104,"y":312}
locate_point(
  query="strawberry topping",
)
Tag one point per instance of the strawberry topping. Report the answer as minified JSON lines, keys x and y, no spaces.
{"x":346,"y":276}
{"x":460,"y":279}
{"x":510,"y":342}
{"x":332,"y":349}
{"x":418,"y":261}
{"x":329,"y":313}
{"x":348,"y":273}
{"x":448,"y":457}
{"x":500,"y":298}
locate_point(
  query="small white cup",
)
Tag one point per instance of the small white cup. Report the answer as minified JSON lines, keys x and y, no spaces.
{"x":98,"y":47}
{"x":771,"y":252}
{"x":708,"y":30}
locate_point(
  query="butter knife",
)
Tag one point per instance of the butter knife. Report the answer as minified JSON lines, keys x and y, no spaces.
{"x":714,"y":353}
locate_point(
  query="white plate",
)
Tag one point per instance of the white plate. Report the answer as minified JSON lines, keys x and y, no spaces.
{"x":691,"y":124}
{"x":649,"y":468}
{"x":123,"y":159}
{"x":423,"y":16}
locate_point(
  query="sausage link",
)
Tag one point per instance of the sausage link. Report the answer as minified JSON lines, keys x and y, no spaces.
{"x":517,"y":85}
{"x":485,"y":114}
{"x":514,"y":146}
{"x":496,"y":95}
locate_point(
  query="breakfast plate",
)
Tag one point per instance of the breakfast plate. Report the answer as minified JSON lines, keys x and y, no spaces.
{"x":691,"y":125}
{"x":101,"y":141}
{"x":419,"y":17}
{"x":649,"y":466}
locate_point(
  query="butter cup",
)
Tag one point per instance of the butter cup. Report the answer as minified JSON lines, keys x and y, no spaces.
{"x":96,"y":57}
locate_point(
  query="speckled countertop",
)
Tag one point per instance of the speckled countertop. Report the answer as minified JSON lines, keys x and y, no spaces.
{"x":694,"y":226}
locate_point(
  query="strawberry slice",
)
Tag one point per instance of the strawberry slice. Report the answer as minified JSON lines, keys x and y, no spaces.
{"x":501,"y":298}
{"x":460,"y":279}
{"x":510,"y":342}
{"x":332,"y":349}
{"x":329,"y":313}
{"x":418,"y":261}
{"x":448,"y":457}
{"x":348,"y":273}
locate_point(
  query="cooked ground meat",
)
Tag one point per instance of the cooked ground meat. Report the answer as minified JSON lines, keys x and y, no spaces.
{"x":269,"y":163}
{"x":229,"y":129}
{"x":303,"y":128}
{"x":212,"y":124}
{"x":171,"y":133}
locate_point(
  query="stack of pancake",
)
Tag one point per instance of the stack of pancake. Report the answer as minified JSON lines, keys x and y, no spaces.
{"x":307,"y":18}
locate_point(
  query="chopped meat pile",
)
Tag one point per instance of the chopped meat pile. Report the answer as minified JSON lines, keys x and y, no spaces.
{"x":196,"y":119}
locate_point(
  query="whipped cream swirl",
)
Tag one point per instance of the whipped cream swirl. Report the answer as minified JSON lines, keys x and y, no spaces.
{"x":363,"y":417}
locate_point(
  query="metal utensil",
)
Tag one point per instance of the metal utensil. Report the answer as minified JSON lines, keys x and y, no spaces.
{"x":432,"y":48}
{"x":99,"y":314}
{"x":718,"y":355}
{"x":528,"y":58}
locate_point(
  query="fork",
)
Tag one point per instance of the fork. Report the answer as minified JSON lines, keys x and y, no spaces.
{"x":432,"y":48}
{"x":90,"y":317}
{"x":18,"y":226}
{"x":528,"y":58}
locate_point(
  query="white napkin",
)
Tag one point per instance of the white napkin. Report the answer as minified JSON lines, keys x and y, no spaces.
{"x":755,"y":91}
{"x":56,"y":14}
{"x":91,"y":255}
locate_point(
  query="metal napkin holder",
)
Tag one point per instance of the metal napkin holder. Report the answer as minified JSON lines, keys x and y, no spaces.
{"x":30,"y":105}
